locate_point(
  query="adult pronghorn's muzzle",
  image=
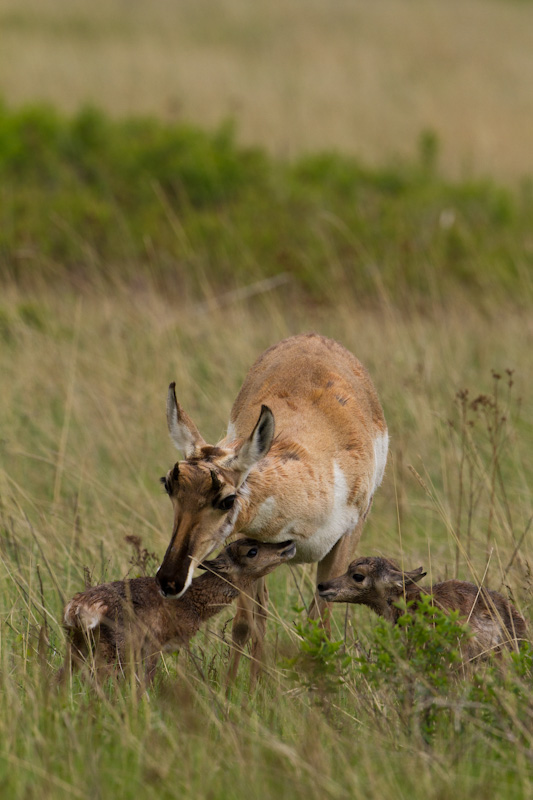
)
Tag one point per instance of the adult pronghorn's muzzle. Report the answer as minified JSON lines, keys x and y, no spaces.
{"x":175,"y":573}
{"x":175,"y":583}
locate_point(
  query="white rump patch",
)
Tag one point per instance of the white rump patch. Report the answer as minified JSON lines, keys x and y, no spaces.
{"x":79,"y":615}
{"x":381,"y":449}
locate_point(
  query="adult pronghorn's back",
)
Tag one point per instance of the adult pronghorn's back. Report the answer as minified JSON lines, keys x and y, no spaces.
{"x":331,"y":442}
{"x":311,"y":482}
{"x":321,"y":396}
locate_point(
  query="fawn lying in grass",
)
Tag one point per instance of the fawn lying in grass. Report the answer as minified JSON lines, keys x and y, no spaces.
{"x":379,"y":583}
{"x":118,"y":624}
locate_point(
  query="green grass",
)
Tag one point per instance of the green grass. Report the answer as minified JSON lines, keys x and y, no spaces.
{"x":135,"y":253}
{"x":89,"y":199}
{"x":83,"y":443}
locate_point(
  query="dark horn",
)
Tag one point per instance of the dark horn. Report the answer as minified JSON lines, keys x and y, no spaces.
{"x":217,"y":485}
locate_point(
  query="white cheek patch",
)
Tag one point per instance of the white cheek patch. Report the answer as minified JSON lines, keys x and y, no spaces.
{"x":220,"y":536}
{"x":226,"y":529}
{"x":188,"y":581}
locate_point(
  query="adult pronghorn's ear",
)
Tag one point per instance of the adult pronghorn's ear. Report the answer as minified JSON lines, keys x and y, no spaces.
{"x":257,"y":446}
{"x":182,"y":429}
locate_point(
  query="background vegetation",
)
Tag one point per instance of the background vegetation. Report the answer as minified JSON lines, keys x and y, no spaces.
{"x":301,"y":75}
{"x":136,"y":250}
{"x":91,"y":200}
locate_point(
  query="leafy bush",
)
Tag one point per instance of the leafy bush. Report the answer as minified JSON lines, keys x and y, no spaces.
{"x":415,"y":662}
{"x":414,"y":671}
{"x":320,"y":665}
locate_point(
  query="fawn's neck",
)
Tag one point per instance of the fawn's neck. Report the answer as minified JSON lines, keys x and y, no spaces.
{"x":390,"y":611}
{"x":209,"y":593}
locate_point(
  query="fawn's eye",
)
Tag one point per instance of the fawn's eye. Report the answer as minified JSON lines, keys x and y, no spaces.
{"x":358,"y":578}
{"x":226,"y":503}
{"x":165,"y":484}
{"x":252,"y":552}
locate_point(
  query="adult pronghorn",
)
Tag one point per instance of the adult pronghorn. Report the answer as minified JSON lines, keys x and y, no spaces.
{"x":312,"y":482}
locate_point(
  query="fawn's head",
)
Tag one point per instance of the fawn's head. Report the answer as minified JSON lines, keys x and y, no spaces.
{"x":249,"y":559}
{"x":369,"y":581}
{"x":204,"y":489}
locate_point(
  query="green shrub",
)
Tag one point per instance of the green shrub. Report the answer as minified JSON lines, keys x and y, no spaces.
{"x":100,"y":198}
{"x":415,"y":662}
{"x":321,"y":665}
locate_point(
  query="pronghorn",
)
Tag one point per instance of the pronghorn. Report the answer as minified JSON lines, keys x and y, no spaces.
{"x":313,"y":482}
{"x":112,"y":627}
{"x":379,"y":584}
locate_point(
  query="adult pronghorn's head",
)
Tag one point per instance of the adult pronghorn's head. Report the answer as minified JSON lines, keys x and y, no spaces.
{"x":204,"y":489}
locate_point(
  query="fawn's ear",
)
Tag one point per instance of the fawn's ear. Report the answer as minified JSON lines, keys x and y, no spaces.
{"x":401,"y":579}
{"x":220,"y":565}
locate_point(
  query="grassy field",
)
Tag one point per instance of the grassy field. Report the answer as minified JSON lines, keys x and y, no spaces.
{"x":83,"y":443}
{"x":137,"y":249}
{"x":297,"y":75}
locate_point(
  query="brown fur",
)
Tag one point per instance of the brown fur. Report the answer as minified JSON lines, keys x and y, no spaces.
{"x":493,"y":620}
{"x":327,"y":419}
{"x":115,"y":625}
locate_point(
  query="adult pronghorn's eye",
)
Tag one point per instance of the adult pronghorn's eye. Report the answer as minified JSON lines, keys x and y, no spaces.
{"x":252,"y":552}
{"x":226,"y":503}
{"x":358,"y":578}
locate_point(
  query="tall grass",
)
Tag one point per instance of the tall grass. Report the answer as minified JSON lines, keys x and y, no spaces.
{"x":83,"y":442}
{"x":134,"y":253}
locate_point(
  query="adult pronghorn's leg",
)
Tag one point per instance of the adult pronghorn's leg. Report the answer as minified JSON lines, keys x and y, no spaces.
{"x":335,"y":563}
{"x":249,"y":623}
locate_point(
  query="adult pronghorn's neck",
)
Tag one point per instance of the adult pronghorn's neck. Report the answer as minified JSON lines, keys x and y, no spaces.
{"x":260,"y":497}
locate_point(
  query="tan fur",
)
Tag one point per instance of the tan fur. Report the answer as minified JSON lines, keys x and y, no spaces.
{"x":493,"y":620}
{"x":116,"y":625}
{"x":313,"y":483}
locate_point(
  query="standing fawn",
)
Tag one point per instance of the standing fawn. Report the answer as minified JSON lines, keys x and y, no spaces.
{"x":313,"y":482}
{"x":115,"y":625}
{"x":379,"y":583}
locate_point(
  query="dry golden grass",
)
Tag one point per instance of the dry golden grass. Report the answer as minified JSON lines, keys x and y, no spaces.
{"x":365,"y":77}
{"x":82,"y":442}
{"x":84,"y":386}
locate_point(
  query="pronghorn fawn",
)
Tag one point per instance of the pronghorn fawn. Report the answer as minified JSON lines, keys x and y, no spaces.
{"x":379,"y":584}
{"x":305,"y":450}
{"x":113,"y":627}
